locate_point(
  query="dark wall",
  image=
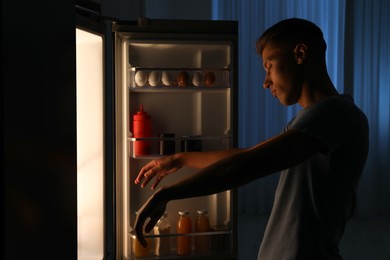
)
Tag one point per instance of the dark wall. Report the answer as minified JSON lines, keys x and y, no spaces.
{"x":38,"y":118}
{"x":179,"y":9}
{"x":161,"y":9}
{"x":39,"y":129}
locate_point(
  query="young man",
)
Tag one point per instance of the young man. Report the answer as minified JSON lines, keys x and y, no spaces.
{"x":321,"y":154}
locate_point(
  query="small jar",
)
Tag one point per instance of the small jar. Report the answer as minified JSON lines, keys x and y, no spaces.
{"x":202,"y":224}
{"x":162,"y":244}
{"x":138,"y":250}
{"x":191,"y":143}
{"x":166,"y":146}
{"x":183,"y":243}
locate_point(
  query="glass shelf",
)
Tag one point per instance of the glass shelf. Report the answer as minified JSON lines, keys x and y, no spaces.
{"x":177,"y":89}
{"x":193,"y":234}
{"x":219,"y":244}
{"x":184,"y":143}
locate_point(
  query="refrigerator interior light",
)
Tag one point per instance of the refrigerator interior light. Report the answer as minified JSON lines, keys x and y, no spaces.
{"x":89,"y":64}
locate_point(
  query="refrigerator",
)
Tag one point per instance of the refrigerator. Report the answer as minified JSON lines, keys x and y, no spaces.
{"x":183,"y":75}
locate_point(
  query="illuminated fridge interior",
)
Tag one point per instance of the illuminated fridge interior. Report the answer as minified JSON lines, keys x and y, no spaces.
{"x":196,"y":112}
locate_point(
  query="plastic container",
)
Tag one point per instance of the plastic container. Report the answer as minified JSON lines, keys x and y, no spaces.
{"x":162,"y":244}
{"x":183,"y":243}
{"x":139,"y":250}
{"x":166,"y":147}
{"x":142,"y":127}
{"x":191,"y":143}
{"x":202,"y":224}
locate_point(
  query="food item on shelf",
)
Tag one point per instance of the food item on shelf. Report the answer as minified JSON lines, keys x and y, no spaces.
{"x":166,"y":147}
{"x":140,"y":78}
{"x":209,"y":79}
{"x":166,"y":78}
{"x":191,"y":143}
{"x":142,"y":127}
{"x":202,"y":224}
{"x":183,"y":79}
{"x":154,"y":78}
{"x":138,"y":250}
{"x":197,"y":78}
{"x":162,"y":244}
{"x":183,"y":243}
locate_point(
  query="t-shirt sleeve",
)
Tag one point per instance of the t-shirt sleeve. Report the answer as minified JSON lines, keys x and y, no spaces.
{"x":332,"y":122}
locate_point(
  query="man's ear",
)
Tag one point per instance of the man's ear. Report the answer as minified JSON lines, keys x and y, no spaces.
{"x":300,"y":53}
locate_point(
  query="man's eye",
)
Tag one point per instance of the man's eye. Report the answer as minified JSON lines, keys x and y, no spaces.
{"x":267,"y":67}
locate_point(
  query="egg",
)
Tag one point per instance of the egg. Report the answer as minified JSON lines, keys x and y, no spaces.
{"x":154,"y":78}
{"x":140,"y":78}
{"x":183,"y":79}
{"x":166,"y":78}
{"x":197,"y":78}
{"x":209,"y":79}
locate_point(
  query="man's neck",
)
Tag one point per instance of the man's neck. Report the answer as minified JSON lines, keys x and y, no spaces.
{"x":315,"y":88}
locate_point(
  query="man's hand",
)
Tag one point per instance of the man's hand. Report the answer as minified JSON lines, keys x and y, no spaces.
{"x":158,"y":169}
{"x":154,"y":208}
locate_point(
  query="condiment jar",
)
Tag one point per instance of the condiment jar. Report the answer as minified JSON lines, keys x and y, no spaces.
{"x":202,"y":224}
{"x":163,"y":244}
{"x":138,"y":250}
{"x":183,"y":243}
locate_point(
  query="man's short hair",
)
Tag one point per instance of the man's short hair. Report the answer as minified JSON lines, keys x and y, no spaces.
{"x":290,"y":32}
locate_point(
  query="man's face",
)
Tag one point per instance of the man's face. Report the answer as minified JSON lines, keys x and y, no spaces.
{"x":281,"y":74}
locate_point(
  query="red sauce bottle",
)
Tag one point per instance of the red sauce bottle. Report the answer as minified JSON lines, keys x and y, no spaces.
{"x":142,"y":127}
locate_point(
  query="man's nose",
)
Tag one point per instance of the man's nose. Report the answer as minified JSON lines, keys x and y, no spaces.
{"x":266,"y":83}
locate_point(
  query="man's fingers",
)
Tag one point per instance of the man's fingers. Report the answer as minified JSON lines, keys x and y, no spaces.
{"x":146,"y":171}
{"x":145,"y":177}
{"x":141,"y":238}
{"x":139,"y":232}
{"x":157,"y":181}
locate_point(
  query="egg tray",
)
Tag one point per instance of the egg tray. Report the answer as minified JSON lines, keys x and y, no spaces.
{"x":179,"y":78}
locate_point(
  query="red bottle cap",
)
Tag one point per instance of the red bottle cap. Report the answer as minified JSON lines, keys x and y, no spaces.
{"x":141,"y":114}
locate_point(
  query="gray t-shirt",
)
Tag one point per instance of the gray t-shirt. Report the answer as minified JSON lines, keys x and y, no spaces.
{"x":314,"y":199}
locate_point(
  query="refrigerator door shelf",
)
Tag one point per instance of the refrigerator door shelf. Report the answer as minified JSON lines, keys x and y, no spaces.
{"x":179,"y":89}
{"x":217,"y":244}
{"x":181,"y":78}
{"x":179,"y":144}
{"x":210,"y":233}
